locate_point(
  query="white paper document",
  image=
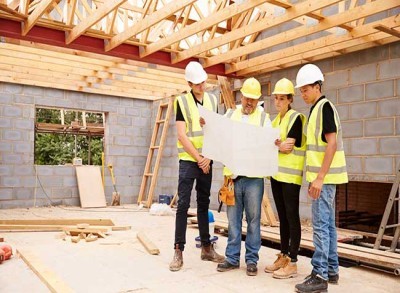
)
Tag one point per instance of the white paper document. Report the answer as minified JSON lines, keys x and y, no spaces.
{"x":246,"y":149}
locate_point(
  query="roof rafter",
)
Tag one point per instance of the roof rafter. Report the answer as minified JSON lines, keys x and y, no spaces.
{"x":291,"y":13}
{"x":147,"y":22}
{"x":35,"y":15}
{"x":98,"y":14}
{"x":357,"y":12}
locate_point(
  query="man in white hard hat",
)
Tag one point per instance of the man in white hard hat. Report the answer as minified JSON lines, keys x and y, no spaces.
{"x":325,"y":168}
{"x":192,"y":165}
{"x":248,"y":190}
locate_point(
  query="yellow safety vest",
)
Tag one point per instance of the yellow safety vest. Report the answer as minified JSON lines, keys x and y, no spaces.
{"x":316,"y":148}
{"x":191,"y":115}
{"x":258,"y":117}
{"x":290,"y":166}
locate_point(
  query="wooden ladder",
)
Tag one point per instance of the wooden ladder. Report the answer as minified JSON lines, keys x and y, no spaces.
{"x":391,"y":200}
{"x":156,"y":145}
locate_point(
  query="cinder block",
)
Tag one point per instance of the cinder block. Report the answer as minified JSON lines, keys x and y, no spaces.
{"x":23,"y":193}
{"x":33,"y":90}
{"x":11,"y":159}
{"x":6,"y":98}
{"x":6,"y":170}
{"x":133,"y":171}
{"x":366,"y":146}
{"x":116,"y":130}
{"x":10,"y":181}
{"x":5,"y":146}
{"x":52,"y":181}
{"x":125,"y":121}
{"x":389,"y":69}
{"x":64,"y":170}
{"x":12,"y":111}
{"x":24,"y":99}
{"x":141,"y":141}
{"x":6,"y":194}
{"x":24,"y":171}
{"x":338,"y":79}
{"x":379,"y":165}
{"x":132,"y":131}
{"x":352,"y":129}
{"x":145,"y":112}
{"x":379,"y":90}
{"x":343,"y":112}
{"x":122,"y":140}
{"x":44,"y":170}
{"x":346,"y":61}
{"x":124,"y":161}
{"x":133,"y":112}
{"x":24,"y":124}
{"x":115,"y":150}
{"x":375,"y":54}
{"x":142,"y":122}
{"x":354,"y":165}
{"x":69,"y":181}
{"x":363,"y":110}
{"x":379,"y":127}
{"x":351,"y":94}
{"x":12,"y":88}
{"x":130,"y":151}
{"x":54,"y":93}
{"x":5,"y":122}
{"x":389,"y":107}
{"x":23,"y":147}
{"x":65,"y":104}
{"x":398,"y":126}
{"x":389,"y":146}
{"x":363,"y":73}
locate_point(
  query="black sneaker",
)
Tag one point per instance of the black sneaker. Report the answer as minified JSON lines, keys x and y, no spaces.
{"x":251,"y":269}
{"x":226,"y":266}
{"x":312,"y":284}
{"x":333,"y":279}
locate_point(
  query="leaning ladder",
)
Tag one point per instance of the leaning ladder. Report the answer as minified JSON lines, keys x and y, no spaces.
{"x":391,"y":200}
{"x":156,"y":145}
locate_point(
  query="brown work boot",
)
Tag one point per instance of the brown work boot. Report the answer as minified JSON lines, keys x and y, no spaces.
{"x":280,"y":262}
{"x":208,"y":253}
{"x":286,"y":272}
{"x":177,"y":262}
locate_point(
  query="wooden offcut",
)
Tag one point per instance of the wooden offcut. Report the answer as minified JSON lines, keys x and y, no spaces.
{"x":267,"y":210}
{"x":60,"y":222}
{"x":91,"y":191}
{"x":150,"y":247}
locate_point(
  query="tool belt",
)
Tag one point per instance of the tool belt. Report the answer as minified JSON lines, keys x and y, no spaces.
{"x":226,"y":194}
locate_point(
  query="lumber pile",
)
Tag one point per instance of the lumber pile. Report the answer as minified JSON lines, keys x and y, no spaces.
{"x":226,"y":92}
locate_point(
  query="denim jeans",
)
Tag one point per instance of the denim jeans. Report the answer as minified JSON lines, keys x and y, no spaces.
{"x":248,"y":197}
{"x":325,"y":260}
{"x":188,"y":173}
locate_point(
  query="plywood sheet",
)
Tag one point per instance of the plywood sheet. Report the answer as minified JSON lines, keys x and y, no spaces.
{"x":90,"y":186}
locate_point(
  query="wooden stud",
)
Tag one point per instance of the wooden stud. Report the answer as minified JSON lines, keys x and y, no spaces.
{"x":150,"y":247}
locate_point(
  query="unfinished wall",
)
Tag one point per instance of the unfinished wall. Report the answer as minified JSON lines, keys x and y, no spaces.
{"x":127,"y":137}
{"x":365,"y":87}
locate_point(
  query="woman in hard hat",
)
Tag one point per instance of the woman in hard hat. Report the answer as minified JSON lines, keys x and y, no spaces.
{"x":287,"y":182}
{"x":325,"y":168}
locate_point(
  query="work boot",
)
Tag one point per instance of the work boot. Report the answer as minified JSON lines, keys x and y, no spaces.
{"x":333,"y":279}
{"x":286,"y":272}
{"x":208,"y":253}
{"x":251,"y":269}
{"x":177,"y":262}
{"x":280,"y":262}
{"x":226,"y":266}
{"x":312,"y":284}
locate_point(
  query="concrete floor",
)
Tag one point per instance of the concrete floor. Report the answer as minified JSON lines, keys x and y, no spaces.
{"x":120,"y":263}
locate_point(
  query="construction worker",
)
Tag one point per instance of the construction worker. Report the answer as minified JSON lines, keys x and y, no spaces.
{"x":248,"y":190}
{"x":192,"y":165}
{"x":325,"y":168}
{"x":287,"y":182}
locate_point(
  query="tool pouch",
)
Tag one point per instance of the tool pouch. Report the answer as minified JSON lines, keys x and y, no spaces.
{"x":226,"y":194}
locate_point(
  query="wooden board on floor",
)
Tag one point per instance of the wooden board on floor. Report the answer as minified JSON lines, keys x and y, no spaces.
{"x":48,"y":277}
{"x":53,"y":228}
{"x":90,"y":185}
{"x":98,"y":222}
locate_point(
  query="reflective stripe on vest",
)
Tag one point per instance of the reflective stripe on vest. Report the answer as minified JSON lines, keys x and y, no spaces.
{"x":191,"y":115}
{"x":316,"y":148}
{"x":258,"y":117}
{"x":290,"y":166}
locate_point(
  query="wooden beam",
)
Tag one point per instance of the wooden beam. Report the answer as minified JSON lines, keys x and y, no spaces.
{"x":387,"y":30}
{"x":150,"y":246}
{"x":147,"y":22}
{"x":334,"y":20}
{"x":4,"y":7}
{"x":211,"y":20}
{"x":292,"y":13}
{"x":319,"y":46}
{"x":98,"y":14}
{"x":33,"y":18}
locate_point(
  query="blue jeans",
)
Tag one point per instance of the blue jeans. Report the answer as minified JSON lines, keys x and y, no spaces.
{"x":248,"y":196}
{"x":325,"y":260}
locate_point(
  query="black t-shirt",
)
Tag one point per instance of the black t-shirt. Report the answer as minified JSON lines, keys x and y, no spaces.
{"x":179,"y":115}
{"x":328,"y":121}
{"x":296,"y":131}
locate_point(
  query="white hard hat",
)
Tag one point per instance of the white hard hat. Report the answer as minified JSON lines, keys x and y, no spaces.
{"x":195,"y":73}
{"x":308,"y":74}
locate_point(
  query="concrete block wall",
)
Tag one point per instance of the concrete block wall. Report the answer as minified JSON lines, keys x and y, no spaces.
{"x":365,"y":87}
{"x":22,"y":184}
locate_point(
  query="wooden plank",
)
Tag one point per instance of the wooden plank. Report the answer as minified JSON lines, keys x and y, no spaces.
{"x":53,"y":228}
{"x":151,"y":248}
{"x":34,"y":17}
{"x":48,"y":277}
{"x":99,"y":222}
{"x":91,"y":191}
{"x":266,"y":204}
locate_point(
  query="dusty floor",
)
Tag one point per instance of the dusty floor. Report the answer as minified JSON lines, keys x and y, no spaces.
{"x":120,"y":263}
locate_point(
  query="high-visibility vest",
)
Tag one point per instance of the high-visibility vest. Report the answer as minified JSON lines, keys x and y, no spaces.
{"x":290,"y":166}
{"x":316,"y":147}
{"x":192,"y":118}
{"x":258,"y":117}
